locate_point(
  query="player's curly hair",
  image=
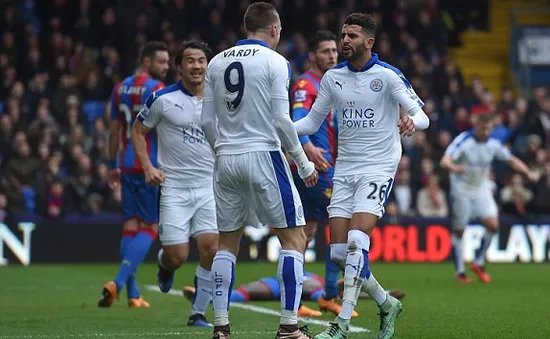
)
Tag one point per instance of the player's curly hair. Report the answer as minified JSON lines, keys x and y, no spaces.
{"x":195,"y":44}
{"x":320,"y":36}
{"x":366,"y":21}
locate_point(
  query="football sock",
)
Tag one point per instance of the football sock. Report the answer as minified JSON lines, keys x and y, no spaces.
{"x":291,"y":277}
{"x":332,"y":272}
{"x":203,"y":290}
{"x":485,"y":242}
{"x":457,"y":254}
{"x":132,"y":289}
{"x":223,"y":277}
{"x":134,"y":255}
{"x":356,"y":270}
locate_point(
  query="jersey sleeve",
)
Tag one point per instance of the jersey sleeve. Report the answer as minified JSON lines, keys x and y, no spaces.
{"x":455,"y":149}
{"x":209,"y":119}
{"x":403,"y":93}
{"x":280,"y":80}
{"x":501,"y":152}
{"x":115,"y":100}
{"x":303,"y":95}
{"x":319,"y":111}
{"x":151,"y":113}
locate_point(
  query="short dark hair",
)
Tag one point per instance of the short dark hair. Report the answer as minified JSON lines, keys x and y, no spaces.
{"x":259,"y":15}
{"x":151,"y":48}
{"x":366,"y":21}
{"x":195,"y":44}
{"x":484,"y":118}
{"x":320,"y":36}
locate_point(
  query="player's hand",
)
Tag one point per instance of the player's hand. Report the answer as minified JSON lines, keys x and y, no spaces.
{"x":315,"y":154}
{"x":311,"y":180}
{"x":459,"y":169}
{"x":533,"y":176}
{"x":114,"y":178}
{"x":154,"y":177}
{"x":308,"y":174}
{"x":406,"y":126}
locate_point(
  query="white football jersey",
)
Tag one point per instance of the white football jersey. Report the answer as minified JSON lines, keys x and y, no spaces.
{"x":367,"y":102}
{"x":241,"y":82}
{"x":184,"y":155}
{"x":477,"y":157}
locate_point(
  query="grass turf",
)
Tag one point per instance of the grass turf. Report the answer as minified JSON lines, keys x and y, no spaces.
{"x":59,"y":301}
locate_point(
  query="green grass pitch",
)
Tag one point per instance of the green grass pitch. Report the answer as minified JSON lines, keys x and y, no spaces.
{"x":59,"y":301}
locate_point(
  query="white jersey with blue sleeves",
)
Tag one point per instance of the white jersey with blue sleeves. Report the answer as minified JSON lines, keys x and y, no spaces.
{"x":183,"y":153}
{"x":367,"y":101}
{"x":477,"y":157}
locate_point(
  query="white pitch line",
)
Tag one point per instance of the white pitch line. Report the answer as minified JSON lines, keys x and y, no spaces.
{"x":264,"y":310}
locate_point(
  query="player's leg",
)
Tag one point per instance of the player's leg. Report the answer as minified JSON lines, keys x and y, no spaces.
{"x":230,"y":210}
{"x":265,"y":289}
{"x":488,"y":212}
{"x":177,"y":207}
{"x":281,"y":206}
{"x":131,"y":247}
{"x":460,"y":215}
{"x":204,"y":228}
{"x":368,"y":205}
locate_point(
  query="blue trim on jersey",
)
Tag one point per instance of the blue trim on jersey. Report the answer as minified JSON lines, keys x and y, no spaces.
{"x":251,"y":42}
{"x":285,"y":188}
{"x":155,"y":95}
{"x":183,"y":89}
{"x":289,"y":69}
{"x":312,"y":79}
{"x":373,"y":60}
{"x":396,"y":71}
{"x":465,"y":137}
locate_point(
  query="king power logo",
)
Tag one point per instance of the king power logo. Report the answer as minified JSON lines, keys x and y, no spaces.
{"x":21,"y":249}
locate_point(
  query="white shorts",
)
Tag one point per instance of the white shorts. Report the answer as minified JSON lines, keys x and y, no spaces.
{"x":359,"y":193}
{"x":186,"y":212}
{"x":256,"y":189}
{"x":465,"y":208}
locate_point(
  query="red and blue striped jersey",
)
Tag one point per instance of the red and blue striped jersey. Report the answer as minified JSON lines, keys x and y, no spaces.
{"x":303,"y":94}
{"x":126,"y":102}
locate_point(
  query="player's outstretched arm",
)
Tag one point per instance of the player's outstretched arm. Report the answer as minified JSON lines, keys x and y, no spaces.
{"x":520,"y":167}
{"x":318,"y":113}
{"x":209,"y":120}
{"x":448,"y":164}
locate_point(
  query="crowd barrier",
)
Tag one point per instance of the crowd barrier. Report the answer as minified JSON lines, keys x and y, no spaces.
{"x":77,"y":239}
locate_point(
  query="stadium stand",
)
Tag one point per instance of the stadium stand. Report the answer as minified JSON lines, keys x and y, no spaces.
{"x":59,"y":60}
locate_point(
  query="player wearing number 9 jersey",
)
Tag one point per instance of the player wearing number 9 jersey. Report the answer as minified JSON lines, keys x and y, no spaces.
{"x":246,"y":118}
{"x":139,"y":200}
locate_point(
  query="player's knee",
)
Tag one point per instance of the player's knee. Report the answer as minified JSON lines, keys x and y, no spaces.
{"x":131,"y":225}
{"x":357,"y":241}
{"x":175,"y":256}
{"x":338,"y":254}
{"x":208,"y":251}
{"x":492,"y":225}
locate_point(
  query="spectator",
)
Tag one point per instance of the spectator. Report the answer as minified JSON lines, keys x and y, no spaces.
{"x":431,"y":201}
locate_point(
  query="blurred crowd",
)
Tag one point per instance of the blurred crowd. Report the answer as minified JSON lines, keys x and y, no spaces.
{"x":59,"y":61}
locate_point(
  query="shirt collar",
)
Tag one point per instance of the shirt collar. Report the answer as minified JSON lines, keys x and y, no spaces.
{"x":252,"y":42}
{"x":373,"y":60}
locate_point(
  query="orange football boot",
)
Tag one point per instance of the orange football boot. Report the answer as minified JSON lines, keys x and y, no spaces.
{"x":480,"y":272}
{"x":110,"y":294}
{"x":138,"y":303}
{"x":463,"y":278}
{"x":305,"y":311}
{"x":332,"y":305}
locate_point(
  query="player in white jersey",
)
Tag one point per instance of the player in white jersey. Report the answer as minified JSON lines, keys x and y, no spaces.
{"x":469,"y":158}
{"x":246,"y":118}
{"x":185,"y":173}
{"x":366,"y":93}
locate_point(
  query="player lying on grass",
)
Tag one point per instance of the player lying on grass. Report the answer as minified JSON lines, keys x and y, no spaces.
{"x":267,"y":289}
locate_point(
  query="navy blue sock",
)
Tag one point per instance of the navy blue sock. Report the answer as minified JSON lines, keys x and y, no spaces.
{"x":332,"y":273}
{"x":134,"y":255}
